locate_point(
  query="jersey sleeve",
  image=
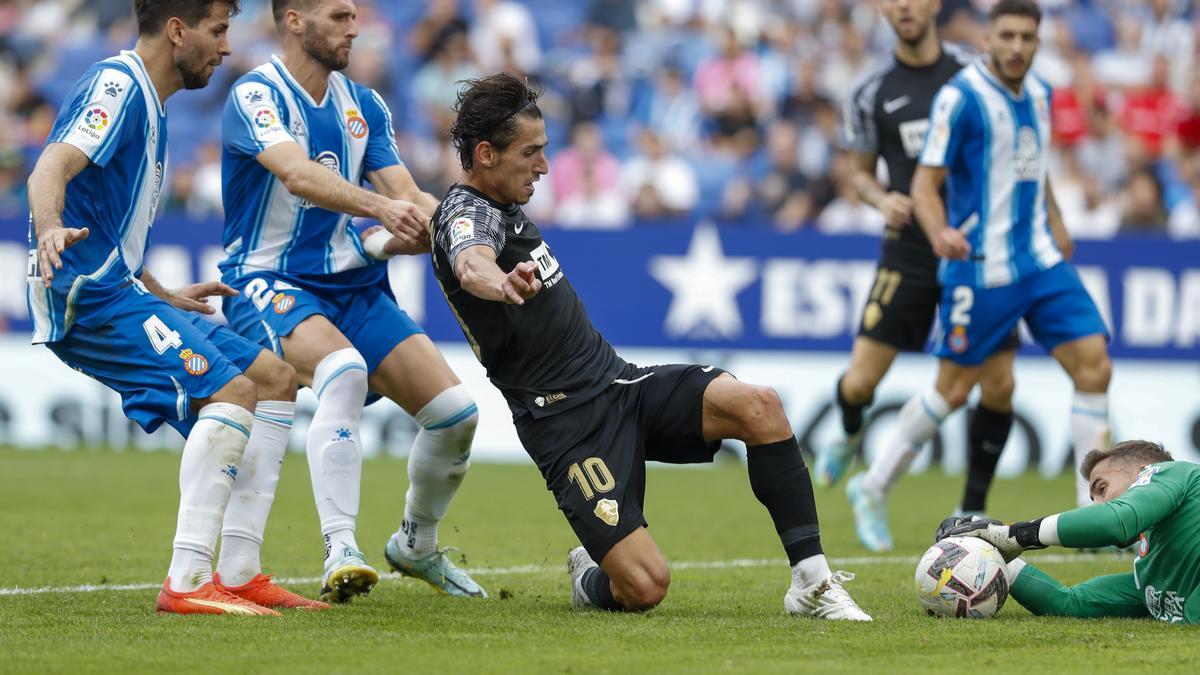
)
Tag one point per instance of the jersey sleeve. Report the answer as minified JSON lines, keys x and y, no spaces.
{"x":859,"y":133}
{"x":1109,"y":595}
{"x":950,"y":121}
{"x":469,"y":225}
{"x":1154,"y":495}
{"x":252,"y":121}
{"x":101,"y":114}
{"x":381,"y":143}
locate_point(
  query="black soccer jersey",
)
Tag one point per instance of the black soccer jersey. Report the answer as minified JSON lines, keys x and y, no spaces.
{"x":544,"y":356}
{"x":888,"y":114}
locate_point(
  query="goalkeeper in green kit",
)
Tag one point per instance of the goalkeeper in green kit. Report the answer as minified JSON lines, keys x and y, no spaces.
{"x":1141,"y":495}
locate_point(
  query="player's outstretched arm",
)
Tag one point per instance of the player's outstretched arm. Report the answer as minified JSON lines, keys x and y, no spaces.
{"x":309,"y":180}
{"x":189,"y":298}
{"x":480,"y":276}
{"x":1110,"y":595}
{"x":59,"y":163}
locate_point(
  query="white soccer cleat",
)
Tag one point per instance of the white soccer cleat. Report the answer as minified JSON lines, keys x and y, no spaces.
{"x":578,"y":562}
{"x":826,"y":600}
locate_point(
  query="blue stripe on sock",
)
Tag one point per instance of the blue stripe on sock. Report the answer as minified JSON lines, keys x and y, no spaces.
{"x":339,"y":371}
{"x":929,"y":411}
{"x":277,"y":420}
{"x":1090,"y":413}
{"x":227,"y":422}
{"x":456,"y":418}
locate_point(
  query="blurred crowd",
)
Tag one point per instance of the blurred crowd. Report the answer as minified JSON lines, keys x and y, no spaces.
{"x":661,"y":111}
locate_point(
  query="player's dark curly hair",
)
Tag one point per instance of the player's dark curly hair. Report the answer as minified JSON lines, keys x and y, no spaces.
{"x":488,"y":109}
{"x":1140,"y":453}
{"x":1027,"y":8}
{"x":152,"y":15}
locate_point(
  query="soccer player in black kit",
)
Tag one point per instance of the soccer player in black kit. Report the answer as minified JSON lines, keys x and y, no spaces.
{"x":887,"y":116}
{"x":587,"y":418}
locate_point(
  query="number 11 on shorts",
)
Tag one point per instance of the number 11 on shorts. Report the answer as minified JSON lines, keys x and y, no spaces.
{"x":592,"y":478}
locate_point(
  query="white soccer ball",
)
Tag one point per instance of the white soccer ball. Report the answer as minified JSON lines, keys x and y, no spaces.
{"x":962,"y":577}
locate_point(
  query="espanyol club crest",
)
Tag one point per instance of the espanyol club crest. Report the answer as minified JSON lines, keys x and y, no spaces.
{"x":957,"y":340}
{"x":283,"y":302}
{"x":355,"y":124}
{"x":193,"y":363}
{"x":1143,"y":545}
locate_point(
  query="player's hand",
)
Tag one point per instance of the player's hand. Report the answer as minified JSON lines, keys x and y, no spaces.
{"x":521,"y":283}
{"x":405,"y":220}
{"x":382,"y":245}
{"x":192,"y":298}
{"x":1010,"y":540}
{"x":950,"y":243}
{"x":896,"y":209}
{"x":951,"y":523}
{"x":51,"y":244}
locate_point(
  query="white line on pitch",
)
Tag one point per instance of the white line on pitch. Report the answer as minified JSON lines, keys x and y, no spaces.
{"x":861,"y":561}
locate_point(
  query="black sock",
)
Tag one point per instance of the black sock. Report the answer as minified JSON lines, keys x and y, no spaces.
{"x":987,"y":435}
{"x":852,"y":414}
{"x":781,"y":482}
{"x":598,"y":588}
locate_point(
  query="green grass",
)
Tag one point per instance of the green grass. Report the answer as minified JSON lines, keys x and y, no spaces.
{"x":73,"y":518}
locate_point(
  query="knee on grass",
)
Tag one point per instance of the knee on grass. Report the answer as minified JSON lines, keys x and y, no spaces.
{"x":643,"y":589}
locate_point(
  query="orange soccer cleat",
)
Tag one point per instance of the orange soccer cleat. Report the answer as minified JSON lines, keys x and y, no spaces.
{"x":262,"y":591}
{"x":208,"y":599}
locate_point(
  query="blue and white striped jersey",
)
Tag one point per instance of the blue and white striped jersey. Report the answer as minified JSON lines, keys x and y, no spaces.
{"x":112,"y":115}
{"x":993,"y":145}
{"x":268,"y":228}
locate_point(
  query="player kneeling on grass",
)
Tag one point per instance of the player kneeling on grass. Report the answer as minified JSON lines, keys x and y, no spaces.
{"x":586,"y":417}
{"x":1141,"y":496}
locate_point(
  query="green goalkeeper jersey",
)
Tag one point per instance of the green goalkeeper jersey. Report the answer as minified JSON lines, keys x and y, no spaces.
{"x":1161,"y":512}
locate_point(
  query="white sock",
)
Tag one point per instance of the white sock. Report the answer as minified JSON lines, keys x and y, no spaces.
{"x":253,"y":493}
{"x":917,"y":422}
{"x":209,"y":464}
{"x":334,"y":455}
{"x":437,"y":464}
{"x":810,"y":571}
{"x":1089,"y":431}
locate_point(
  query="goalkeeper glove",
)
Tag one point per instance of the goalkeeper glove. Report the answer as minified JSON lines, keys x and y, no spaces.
{"x":1010,"y":540}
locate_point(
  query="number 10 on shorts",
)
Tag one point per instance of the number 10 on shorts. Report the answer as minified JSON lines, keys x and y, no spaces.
{"x":592,"y":478}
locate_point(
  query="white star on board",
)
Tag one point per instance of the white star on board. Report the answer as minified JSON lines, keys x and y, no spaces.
{"x":704,"y":285}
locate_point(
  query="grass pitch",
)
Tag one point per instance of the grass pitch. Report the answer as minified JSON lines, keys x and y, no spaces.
{"x":76,"y":521}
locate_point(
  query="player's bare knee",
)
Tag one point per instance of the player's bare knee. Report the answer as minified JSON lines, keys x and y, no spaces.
{"x":997,"y":392}
{"x":761,"y":416}
{"x":956,"y":394}
{"x":278,"y":381}
{"x":858,"y":388}
{"x":1094,"y":375}
{"x":645,"y":589}
{"x":239,"y":391}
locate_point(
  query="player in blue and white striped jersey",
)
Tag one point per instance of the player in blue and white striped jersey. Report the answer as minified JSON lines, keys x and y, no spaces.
{"x":300,"y":141}
{"x":1002,"y":241}
{"x":92,"y":197}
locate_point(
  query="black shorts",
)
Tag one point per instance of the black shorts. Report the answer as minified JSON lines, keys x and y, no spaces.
{"x":593,"y":456}
{"x":904,"y":298}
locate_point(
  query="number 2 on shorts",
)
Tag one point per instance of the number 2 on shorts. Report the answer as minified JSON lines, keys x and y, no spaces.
{"x":964,"y":299}
{"x":592,"y":478}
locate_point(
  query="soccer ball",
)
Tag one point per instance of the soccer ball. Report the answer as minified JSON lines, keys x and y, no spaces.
{"x":962,"y":577}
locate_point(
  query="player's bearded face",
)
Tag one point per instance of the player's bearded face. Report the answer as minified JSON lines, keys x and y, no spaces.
{"x":911,"y":19}
{"x":328,"y":38}
{"x":203,"y":48}
{"x":1012,"y":43}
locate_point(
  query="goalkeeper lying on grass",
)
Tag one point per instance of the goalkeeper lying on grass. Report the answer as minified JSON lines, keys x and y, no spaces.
{"x":1141,"y":495}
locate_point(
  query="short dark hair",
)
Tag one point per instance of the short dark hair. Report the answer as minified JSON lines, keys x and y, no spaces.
{"x":152,"y":15}
{"x":280,"y":7}
{"x":1131,"y":452}
{"x":487,"y":110}
{"x":1027,"y":8}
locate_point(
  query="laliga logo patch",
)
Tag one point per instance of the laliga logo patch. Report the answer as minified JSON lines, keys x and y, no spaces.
{"x":871,"y":315}
{"x":193,"y":363}
{"x":264,"y":118}
{"x":97,"y":118}
{"x":355,"y":124}
{"x":283,"y":302}
{"x":606,"y":510}
{"x":957,"y":340}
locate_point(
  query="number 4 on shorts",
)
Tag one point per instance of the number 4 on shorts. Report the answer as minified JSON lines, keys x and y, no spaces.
{"x":161,"y":337}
